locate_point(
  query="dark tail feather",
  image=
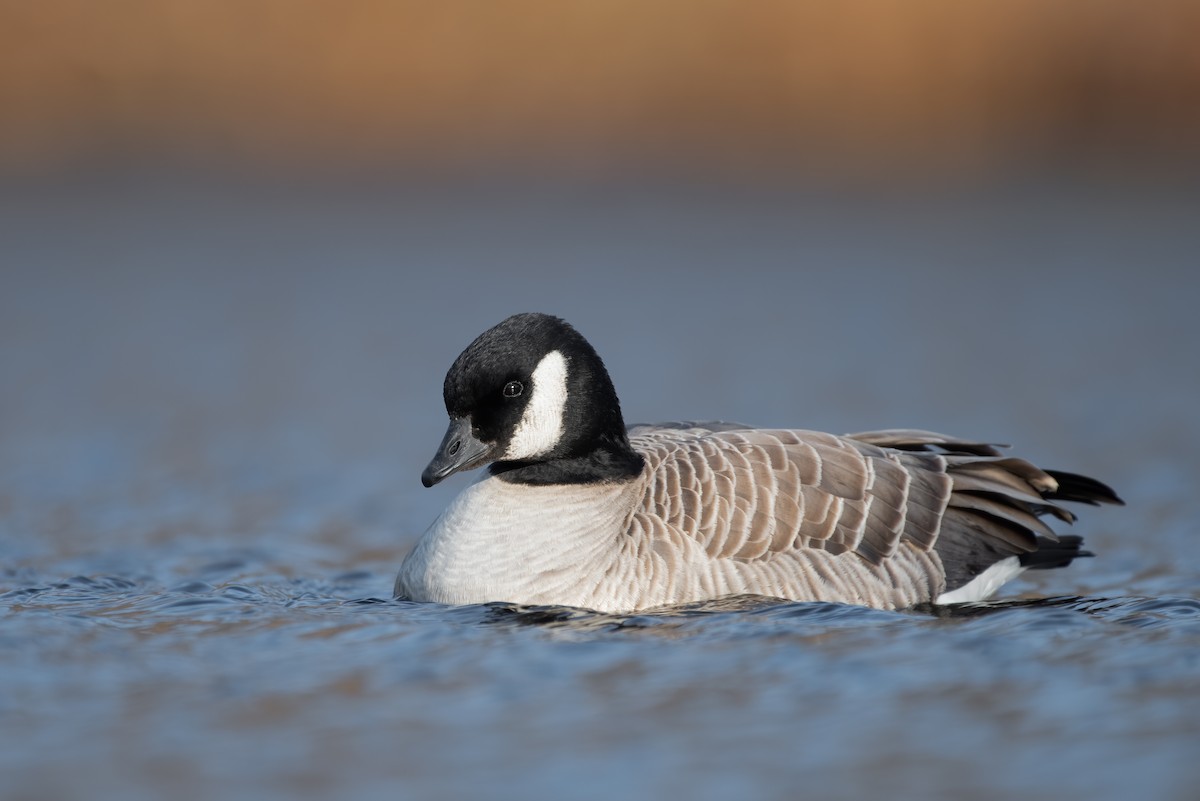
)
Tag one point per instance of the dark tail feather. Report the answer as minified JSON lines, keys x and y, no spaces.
{"x":1074,"y":487}
{"x":1055,"y":554}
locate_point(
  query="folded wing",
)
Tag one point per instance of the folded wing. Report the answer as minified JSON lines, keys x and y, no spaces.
{"x":750,"y":494}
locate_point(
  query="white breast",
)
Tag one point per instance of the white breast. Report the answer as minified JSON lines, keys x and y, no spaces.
{"x":523,"y":544}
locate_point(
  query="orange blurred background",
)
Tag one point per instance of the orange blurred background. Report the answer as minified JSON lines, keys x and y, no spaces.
{"x":864,"y":86}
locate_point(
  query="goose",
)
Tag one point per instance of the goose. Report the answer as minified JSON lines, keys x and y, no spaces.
{"x":575,"y":509}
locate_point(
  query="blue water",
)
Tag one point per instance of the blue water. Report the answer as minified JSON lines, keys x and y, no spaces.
{"x":217,"y":400}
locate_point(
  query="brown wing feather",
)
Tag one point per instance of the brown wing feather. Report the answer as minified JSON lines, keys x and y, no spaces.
{"x":750,"y":493}
{"x":995,"y":508}
{"x":746,"y":495}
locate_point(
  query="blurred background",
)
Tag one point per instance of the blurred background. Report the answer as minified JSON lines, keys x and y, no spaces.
{"x":762,"y":90}
{"x":258,"y":231}
{"x":242,"y":240}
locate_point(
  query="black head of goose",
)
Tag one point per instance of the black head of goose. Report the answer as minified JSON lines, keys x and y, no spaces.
{"x":531,"y":397}
{"x":576,"y":510}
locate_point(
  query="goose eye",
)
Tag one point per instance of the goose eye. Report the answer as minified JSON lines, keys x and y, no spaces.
{"x":513,"y":388}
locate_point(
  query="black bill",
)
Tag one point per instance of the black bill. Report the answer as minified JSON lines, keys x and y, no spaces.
{"x":460,"y":450}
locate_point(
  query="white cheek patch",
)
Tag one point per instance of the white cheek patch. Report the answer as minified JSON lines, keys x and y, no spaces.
{"x":541,"y":425}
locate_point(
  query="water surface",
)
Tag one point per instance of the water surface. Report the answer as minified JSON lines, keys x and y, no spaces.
{"x":218,"y":399}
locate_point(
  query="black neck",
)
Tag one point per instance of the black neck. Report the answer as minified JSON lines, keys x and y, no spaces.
{"x":609,"y":462}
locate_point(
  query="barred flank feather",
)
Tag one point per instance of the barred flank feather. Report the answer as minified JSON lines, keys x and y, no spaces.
{"x":781,"y":496}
